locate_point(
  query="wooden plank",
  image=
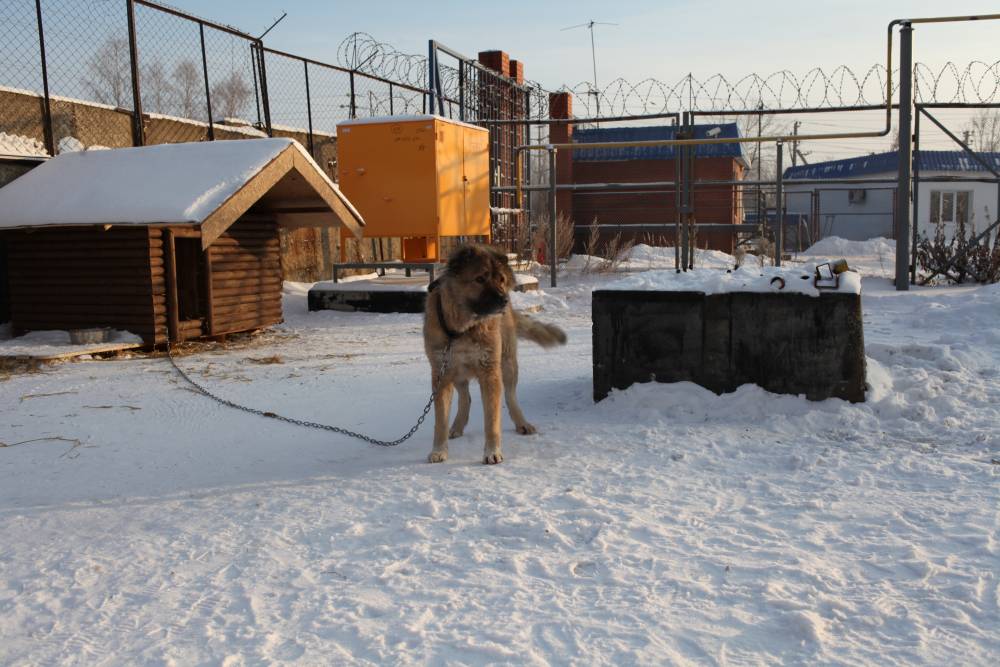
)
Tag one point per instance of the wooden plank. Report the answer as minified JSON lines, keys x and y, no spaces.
{"x":248,"y":275}
{"x":247,"y":325}
{"x":25,"y":285}
{"x":96,"y":348}
{"x":258,"y":308}
{"x":249,"y":285}
{"x":207,"y":269}
{"x":232,"y":297}
{"x":170,"y":255}
{"x":252,"y":191}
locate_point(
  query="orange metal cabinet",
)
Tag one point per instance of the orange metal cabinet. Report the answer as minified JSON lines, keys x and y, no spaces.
{"x":416,"y":177}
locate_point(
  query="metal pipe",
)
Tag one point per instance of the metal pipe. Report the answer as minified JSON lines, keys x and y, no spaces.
{"x":553,"y":219}
{"x":677,"y":211}
{"x":905,"y":156}
{"x":779,"y":209}
{"x":208,"y":94}
{"x":138,"y":131}
{"x":579,"y":121}
{"x":50,"y":141}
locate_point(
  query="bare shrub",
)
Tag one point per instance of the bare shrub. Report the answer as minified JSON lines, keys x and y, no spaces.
{"x":565,"y":231}
{"x":740,"y":255}
{"x":616,"y":251}
{"x":960,"y":258}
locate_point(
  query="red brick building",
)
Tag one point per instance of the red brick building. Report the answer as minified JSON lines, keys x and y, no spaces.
{"x":713,"y":162}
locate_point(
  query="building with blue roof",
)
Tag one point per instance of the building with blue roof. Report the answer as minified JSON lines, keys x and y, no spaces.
{"x":953,"y":187}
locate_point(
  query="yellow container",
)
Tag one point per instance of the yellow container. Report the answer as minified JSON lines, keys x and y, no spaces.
{"x":416,"y":177}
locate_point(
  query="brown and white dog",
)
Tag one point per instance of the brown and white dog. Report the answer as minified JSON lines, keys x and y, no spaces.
{"x":469,"y":305}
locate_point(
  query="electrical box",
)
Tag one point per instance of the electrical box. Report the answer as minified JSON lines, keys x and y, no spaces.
{"x":417,"y":178}
{"x":856,"y":196}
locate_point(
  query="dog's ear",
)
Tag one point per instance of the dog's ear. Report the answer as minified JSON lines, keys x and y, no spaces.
{"x":461,"y":258}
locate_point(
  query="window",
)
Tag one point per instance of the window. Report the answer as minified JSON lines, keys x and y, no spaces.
{"x":950,"y":205}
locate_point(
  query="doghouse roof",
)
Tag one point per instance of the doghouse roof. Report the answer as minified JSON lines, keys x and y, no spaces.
{"x":210,"y":183}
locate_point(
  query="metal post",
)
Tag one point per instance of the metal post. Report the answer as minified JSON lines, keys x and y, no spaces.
{"x":677,"y":205}
{"x":685,"y":204}
{"x":431,"y":55}
{"x":905,"y":138}
{"x":208,"y":94}
{"x":256,"y":83}
{"x":265,"y":98}
{"x":461,"y":90}
{"x":309,"y":113}
{"x":50,"y":141}
{"x":138,"y":133}
{"x":391,"y":112}
{"x":916,"y":197}
{"x":779,"y":208}
{"x":354,"y":106}
{"x":552,"y":217}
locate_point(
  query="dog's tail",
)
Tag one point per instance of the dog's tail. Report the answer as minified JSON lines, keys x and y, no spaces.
{"x":546,"y":335}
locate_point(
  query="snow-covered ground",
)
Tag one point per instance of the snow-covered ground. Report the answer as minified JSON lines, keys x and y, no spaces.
{"x":144,"y":524}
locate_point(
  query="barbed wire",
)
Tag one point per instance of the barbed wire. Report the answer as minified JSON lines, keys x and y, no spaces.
{"x":978,"y":82}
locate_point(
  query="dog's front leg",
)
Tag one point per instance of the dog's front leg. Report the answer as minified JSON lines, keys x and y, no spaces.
{"x":442,"y":408}
{"x":491,"y":386}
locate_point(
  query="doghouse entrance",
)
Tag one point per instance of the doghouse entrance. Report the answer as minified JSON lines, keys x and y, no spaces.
{"x":192,"y":302}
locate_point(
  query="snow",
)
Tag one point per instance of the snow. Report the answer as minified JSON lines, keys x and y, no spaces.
{"x":144,"y":524}
{"x":402,"y":118}
{"x":746,"y":278}
{"x":836,"y":246}
{"x":179,"y":183}
{"x":15,"y":144}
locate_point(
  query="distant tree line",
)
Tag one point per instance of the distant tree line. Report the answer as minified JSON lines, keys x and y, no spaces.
{"x":177,"y":92}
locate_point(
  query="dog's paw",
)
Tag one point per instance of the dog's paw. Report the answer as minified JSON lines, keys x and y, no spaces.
{"x":437,"y":457}
{"x":493,"y":459}
{"x":526,"y":429}
{"x":456,"y":432}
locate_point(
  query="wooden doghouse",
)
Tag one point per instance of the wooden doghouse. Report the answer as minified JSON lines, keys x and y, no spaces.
{"x":169,"y":242}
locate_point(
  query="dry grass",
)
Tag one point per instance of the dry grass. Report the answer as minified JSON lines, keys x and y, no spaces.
{"x":565,"y":231}
{"x":616,"y":250}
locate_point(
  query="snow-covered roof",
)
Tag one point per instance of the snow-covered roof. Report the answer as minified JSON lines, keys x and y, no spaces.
{"x":411,"y":118}
{"x":888,"y":163}
{"x":189,"y":183}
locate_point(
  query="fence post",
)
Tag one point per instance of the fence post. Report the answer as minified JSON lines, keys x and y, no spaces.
{"x":779,"y":187}
{"x":265,"y":98}
{"x":553,"y":218}
{"x":461,"y":90}
{"x":138,"y":131}
{"x":354,"y":108}
{"x":208,"y":94}
{"x":50,"y":141}
{"x":903,"y":182}
{"x":391,"y":112}
{"x":916,"y":196}
{"x":309,"y":113}
{"x":256,"y":83}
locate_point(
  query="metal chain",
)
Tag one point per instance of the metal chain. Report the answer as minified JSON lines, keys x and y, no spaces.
{"x":324,"y":427}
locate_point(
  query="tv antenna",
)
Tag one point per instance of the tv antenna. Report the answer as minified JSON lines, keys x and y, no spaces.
{"x":589,"y":25}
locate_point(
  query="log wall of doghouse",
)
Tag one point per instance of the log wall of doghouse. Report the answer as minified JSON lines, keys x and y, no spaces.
{"x":785,"y":343}
{"x":155,"y":282}
{"x":72,"y":278}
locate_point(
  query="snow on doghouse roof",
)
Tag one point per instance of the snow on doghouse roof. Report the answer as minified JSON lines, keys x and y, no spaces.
{"x":210,"y":183}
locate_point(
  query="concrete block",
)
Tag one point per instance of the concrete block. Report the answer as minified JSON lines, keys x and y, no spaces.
{"x":785,"y":343}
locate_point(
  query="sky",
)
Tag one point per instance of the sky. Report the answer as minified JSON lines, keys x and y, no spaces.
{"x":659,"y":40}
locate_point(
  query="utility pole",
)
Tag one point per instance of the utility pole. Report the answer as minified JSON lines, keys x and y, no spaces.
{"x":966,"y":136}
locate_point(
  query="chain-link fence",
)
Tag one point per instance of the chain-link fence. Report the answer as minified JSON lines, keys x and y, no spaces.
{"x":82,"y":73}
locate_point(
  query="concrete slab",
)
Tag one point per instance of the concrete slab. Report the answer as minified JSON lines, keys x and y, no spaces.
{"x":390,"y":293}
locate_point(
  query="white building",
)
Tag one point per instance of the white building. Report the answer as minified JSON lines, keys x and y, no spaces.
{"x":952,"y":187}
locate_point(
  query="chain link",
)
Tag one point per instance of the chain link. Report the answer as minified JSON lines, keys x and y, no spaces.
{"x":325,"y":427}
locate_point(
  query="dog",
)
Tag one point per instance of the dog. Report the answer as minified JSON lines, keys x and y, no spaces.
{"x":469,"y":307}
